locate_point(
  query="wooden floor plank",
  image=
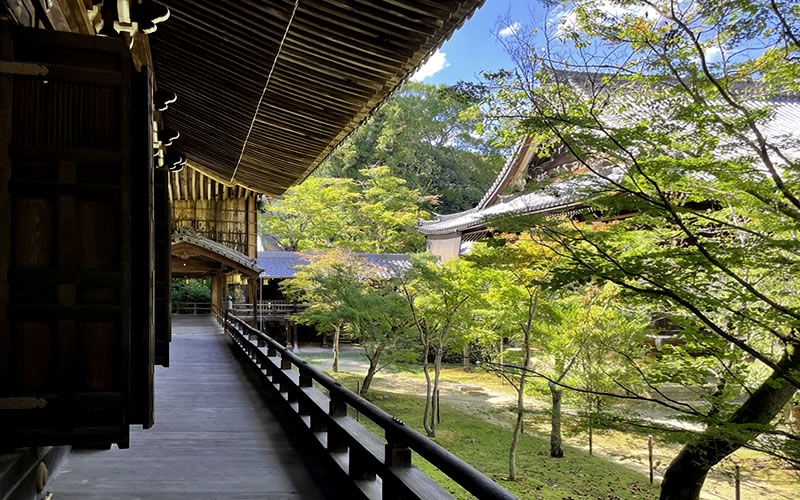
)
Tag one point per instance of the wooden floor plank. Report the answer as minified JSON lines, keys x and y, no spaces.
{"x":216,"y":436}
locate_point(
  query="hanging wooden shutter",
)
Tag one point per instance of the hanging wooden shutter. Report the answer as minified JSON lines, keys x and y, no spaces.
{"x":163,"y":248}
{"x":143,"y":251}
{"x":66,"y":351}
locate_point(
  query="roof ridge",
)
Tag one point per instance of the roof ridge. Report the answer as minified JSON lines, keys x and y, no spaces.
{"x":502,"y":175}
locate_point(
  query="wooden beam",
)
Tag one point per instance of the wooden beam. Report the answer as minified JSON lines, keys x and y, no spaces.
{"x":175,"y":176}
{"x":184,"y":249}
{"x":75,"y":14}
{"x":169,"y":186}
{"x":183,"y":175}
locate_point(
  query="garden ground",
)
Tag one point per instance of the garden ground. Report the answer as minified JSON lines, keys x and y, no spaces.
{"x":618,"y":469}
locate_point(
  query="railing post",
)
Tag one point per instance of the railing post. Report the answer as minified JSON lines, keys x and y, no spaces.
{"x":396,"y":453}
{"x":337,"y":407}
{"x":286,"y":384}
{"x":358,"y":465}
{"x":263,"y":362}
{"x":286,"y":364}
{"x":305,"y":381}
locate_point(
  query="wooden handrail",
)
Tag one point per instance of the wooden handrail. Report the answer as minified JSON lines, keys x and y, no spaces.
{"x":269,"y":308}
{"x":191,"y":308}
{"x":359,"y":453}
{"x":219,"y":314}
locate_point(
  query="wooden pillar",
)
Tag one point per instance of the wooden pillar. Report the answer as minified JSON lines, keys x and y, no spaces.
{"x":218,"y":294}
{"x":251,"y":219}
{"x":252,"y":296}
{"x":6,"y":87}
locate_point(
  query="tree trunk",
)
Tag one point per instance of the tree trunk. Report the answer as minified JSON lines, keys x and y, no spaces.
{"x":336,"y":330}
{"x":512,"y":452}
{"x":686,"y":474}
{"x":428,"y":394}
{"x":466,"y":357}
{"x":371,"y":371}
{"x":437,"y":368}
{"x":555,"y":422}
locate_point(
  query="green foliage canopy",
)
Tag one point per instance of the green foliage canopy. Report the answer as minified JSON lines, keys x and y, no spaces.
{"x":421,"y":135}
{"x":376,"y":214}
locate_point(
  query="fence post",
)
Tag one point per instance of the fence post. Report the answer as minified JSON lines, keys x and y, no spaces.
{"x":650,"y":455}
{"x":358,"y":391}
{"x":438,"y":406}
{"x":305,"y":380}
{"x":738,"y":483}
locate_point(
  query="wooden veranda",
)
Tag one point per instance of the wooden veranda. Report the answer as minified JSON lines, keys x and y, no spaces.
{"x":216,"y":436}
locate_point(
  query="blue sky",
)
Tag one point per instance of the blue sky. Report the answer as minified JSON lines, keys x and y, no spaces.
{"x":474,"y":48}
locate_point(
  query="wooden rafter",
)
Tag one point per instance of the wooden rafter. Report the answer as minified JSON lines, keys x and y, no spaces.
{"x":195,"y":185}
{"x":338,"y":61}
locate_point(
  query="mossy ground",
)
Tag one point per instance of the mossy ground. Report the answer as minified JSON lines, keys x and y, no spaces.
{"x":485,"y":446}
{"x":477,"y":428}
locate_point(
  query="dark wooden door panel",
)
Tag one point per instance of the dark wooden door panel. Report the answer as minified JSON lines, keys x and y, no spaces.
{"x":71,"y":369}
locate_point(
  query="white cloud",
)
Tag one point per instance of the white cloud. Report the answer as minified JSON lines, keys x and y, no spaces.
{"x":509,"y":30}
{"x":436,"y":63}
{"x":713,"y":53}
{"x":566,"y":20}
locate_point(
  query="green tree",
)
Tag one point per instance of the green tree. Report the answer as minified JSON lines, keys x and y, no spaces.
{"x":663,"y":118}
{"x":438,"y":297}
{"x":344,"y":289}
{"x":419,"y":136}
{"x":190,"y":290}
{"x":591,"y":326}
{"x":517,"y":310}
{"x":378,"y":213}
{"x":386,"y":215}
{"x":312,"y":215}
{"x":314,"y":285}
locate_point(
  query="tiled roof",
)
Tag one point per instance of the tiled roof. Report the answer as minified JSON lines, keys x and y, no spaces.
{"x":555,"y":198}
{"x":188,"y":235}
{"x":504,"y":172}
{"x":281,"y":264}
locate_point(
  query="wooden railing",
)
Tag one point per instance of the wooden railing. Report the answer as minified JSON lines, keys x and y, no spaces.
{"x":191,"y":307}
{"x":378,"y":468}
{"x":219,"y":314}
{"x":269,"y":308}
